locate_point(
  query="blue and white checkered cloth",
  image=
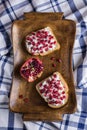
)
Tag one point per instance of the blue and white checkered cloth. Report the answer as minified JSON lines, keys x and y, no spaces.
{"x":76,"y":10}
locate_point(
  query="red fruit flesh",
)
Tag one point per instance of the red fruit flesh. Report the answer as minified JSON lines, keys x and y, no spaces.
{"x":31,"y":69}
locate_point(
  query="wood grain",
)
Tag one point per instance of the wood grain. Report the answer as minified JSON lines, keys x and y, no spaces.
{"x":36,"y":108}
{"x":46,"y":16}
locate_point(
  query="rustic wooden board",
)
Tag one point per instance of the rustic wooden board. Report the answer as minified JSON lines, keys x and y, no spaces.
{"x":36,"y":108}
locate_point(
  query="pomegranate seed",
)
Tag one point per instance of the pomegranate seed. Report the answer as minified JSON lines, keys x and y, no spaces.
{"x":59,"y":60}
{"x":20,"y":96}
{"x":47,"y":91}
{"x":40,"y":48}
{"x":34,"y":49}
{"x":58,"y":102}
{"x":64,"y":96}
{"x":26,"y":100}
{"x":45,"y":41}
{"x":52,"y":79}
{"x":64,"y":86}
{"x":61,"y":98}
{"x":58,"y":81}
{"x":27,"y":38}
{"x":24,"y":67}
{"x":50,"y":97}
{"x":30,"y":39}
{"x":33,"y":37}
{"x":54,"y":75}
{"x":38,"y":32}
{"x":42,"y":31}
{"x":50,"y":46}
{"x":50,"y":37}
{"x":41,"y":51}
{"x":45,"y":86}
{"x":54,"y":42}
{"x":60,"y":88}
{"x":55,"y":96}
{"x":40,"y":84}
{"x":52,"y":58}
{"x":53,"y":65}
{"x":33,"y":53}
{"x":63,"y":92}
{"x":51,"y":102}
{"x":58,"y":94}
{"x":58,"y":84}
{"x":46,"y":49}
{"x":29,"y":43}
{"x":38,"y":43}
{"x":54,"y":91}
{"x":48,"y":81}
{"x":51,"y":43}
{"x":46,"y":45}
{"x":42,"y":91}
{"x":33,"y":43}
{"x":33,"y":33}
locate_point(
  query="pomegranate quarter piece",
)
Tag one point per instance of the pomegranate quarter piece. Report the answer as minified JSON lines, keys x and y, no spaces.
{"x":32,"y":69}
{"x":41,"y":42}
{"x":53,"y":90}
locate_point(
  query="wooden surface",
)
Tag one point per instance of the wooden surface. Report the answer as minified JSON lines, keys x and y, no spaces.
{"x":44,"y":116}
{"x":44,"y":16}
{"x":36,"y":108}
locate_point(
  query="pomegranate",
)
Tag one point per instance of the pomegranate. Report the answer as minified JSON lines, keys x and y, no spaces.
{"x":31,"y":69}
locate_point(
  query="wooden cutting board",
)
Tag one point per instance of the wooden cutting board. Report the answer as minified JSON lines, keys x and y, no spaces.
{"x":36,"y":108}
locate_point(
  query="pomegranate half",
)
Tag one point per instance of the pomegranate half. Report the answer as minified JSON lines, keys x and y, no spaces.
{"x":32,"y":69}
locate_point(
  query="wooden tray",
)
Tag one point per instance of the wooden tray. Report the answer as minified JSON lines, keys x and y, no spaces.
{"x":44,"y":16}
{"x":37,"y":109}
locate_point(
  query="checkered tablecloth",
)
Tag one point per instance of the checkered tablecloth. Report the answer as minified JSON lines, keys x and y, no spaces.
{"x":11,"y":10}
